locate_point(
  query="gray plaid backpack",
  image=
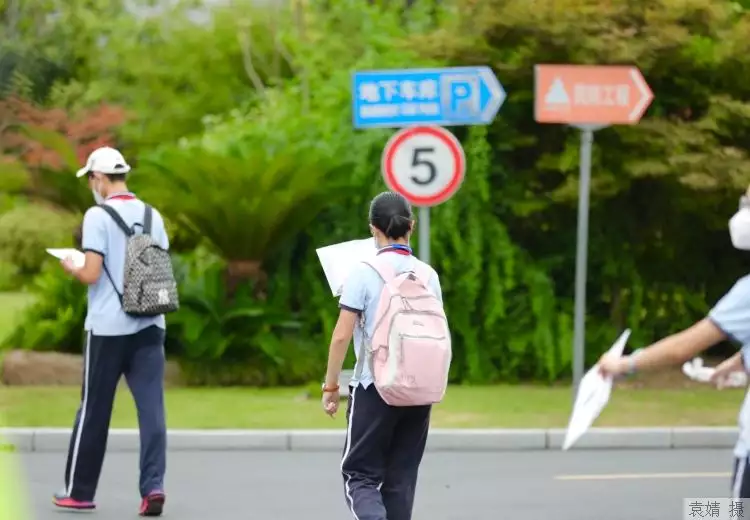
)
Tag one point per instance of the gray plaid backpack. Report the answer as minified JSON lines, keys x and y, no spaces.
{"x":149,"y":285}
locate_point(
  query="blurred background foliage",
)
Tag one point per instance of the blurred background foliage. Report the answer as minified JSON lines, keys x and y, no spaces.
{"x":237,"y":121}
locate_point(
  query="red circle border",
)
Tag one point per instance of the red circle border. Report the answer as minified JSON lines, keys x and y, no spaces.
{"x":456,"y":151}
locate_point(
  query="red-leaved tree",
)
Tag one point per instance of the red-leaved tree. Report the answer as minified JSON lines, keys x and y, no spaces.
{"x":40,"y":148}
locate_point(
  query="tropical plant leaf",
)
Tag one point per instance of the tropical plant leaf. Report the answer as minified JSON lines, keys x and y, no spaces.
{"x":258,"y":200}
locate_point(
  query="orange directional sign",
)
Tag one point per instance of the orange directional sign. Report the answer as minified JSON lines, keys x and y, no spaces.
{"x":580,"y":94}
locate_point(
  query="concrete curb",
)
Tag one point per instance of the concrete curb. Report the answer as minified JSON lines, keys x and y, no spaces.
{"x":57,"y":439}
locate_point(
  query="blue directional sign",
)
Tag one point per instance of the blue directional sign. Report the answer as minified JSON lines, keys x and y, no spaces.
{"x":441,"y":97}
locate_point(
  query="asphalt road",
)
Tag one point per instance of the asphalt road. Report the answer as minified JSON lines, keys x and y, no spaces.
{"x":544,"y":485}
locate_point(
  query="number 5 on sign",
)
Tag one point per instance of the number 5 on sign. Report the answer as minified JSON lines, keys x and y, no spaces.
{"x":426,"y":165}
{"x":416,"y":161}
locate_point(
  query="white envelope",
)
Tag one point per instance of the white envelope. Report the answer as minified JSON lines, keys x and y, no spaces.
{"x":593,"y":395}
{"x":338,"y":260}
{"x":77,"y":256}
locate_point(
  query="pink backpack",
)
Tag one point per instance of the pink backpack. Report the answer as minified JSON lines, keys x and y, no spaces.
{"x":409,"y":353}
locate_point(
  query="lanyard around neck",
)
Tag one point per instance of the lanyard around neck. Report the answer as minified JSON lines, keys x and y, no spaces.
{"x":399,"y":249}
{"x":121,"y":196}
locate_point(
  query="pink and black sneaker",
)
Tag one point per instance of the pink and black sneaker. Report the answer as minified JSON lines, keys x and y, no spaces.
{"x":153,"y":504}
{"x":62,"y":500}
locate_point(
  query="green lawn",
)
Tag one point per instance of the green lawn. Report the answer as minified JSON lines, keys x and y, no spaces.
{"x":464,"y":407}
{"x":11,"y":304}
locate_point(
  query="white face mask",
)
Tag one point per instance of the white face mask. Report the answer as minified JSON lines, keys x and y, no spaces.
{"x":97,"y":196}
{"x":739,"y":229}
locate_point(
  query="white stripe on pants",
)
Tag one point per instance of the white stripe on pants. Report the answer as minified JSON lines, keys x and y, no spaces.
{"x":347,"y":449}
{"x":84,"y":402}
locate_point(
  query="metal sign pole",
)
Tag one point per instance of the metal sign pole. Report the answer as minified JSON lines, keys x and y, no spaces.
{"x":553,"y":86}
{"x":424,"y":234}
{"x":579,"y":334}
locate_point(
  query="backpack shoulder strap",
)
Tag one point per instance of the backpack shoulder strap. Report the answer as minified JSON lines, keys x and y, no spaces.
{"x":117,"y":218}
{"x":112,"y":212}
{"x":423,"y":272}
{"x":384,"y":269}
{"x":387,"y":273}
{"x":147,"y":219}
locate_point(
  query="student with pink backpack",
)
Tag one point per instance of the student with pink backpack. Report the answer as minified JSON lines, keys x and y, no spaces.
{"x":392,"y":306}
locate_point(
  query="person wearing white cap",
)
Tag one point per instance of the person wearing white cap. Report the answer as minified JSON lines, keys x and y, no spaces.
{"x":106,"y":161}
{"x":121,"y":339}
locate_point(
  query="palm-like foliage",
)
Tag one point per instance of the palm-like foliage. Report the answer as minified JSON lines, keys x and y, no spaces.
{"x":243,"y":200}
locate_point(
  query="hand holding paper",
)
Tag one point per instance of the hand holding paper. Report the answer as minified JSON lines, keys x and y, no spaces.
{"x":593,"y":395}
{"x":77,"y":258}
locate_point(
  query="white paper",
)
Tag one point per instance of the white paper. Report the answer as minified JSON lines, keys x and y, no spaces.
{"x":77,"y":256}
{"x":593,"y":395}
{"x":696,"y":371}
{"x":338,"y":260}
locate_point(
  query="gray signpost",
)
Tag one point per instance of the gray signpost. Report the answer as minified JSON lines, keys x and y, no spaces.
{"x":582,"y":239}
{"x":588,"y":98}
{"x":424,"y":234}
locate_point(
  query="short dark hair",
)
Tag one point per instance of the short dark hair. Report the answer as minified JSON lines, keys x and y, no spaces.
{"x":117,"y":177}
{"x":113,"y":177}
{"x":391,"y":213}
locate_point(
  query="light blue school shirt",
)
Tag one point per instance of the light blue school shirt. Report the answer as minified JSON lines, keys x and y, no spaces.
{"x":361,"y":294}
{"x":102,"y":235}
{"x":732,"y":315}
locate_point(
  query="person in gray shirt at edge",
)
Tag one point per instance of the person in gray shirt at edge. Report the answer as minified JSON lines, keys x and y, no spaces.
{"x":116,"y":344}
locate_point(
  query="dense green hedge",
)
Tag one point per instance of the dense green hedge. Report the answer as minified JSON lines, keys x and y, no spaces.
{"x":257,"y":163}
{"x":25,"y":232}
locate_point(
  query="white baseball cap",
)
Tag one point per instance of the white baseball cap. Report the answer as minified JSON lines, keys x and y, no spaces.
{"x":105,"y":160}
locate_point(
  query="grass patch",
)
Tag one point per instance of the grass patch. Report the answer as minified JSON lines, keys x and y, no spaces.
{"x":11,"y":306}
{"x":464,"y":407}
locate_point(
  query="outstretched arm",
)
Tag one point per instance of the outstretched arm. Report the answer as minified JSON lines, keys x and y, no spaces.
{"x":672,"y":350}
{"x":729,"y":319}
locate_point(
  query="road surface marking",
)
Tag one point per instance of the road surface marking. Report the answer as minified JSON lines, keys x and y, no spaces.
{"x":637,"y":476}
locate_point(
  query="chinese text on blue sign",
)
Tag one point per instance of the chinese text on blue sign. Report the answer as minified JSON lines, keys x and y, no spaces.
{"x":442,"y":97}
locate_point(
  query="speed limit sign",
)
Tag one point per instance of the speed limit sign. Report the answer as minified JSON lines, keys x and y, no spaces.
{"x":425,"y":164}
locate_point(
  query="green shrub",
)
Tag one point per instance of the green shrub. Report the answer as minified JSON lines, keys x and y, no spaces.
{"x":55,"y":320}
{"x":7,"y":202}
{"x":237,"y":340}
{"x":182,"y":237}
{"x":27,"y":230}
{"x":9,"y":276}
{"x":220,"y":341}
{"x":12,"y":305}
